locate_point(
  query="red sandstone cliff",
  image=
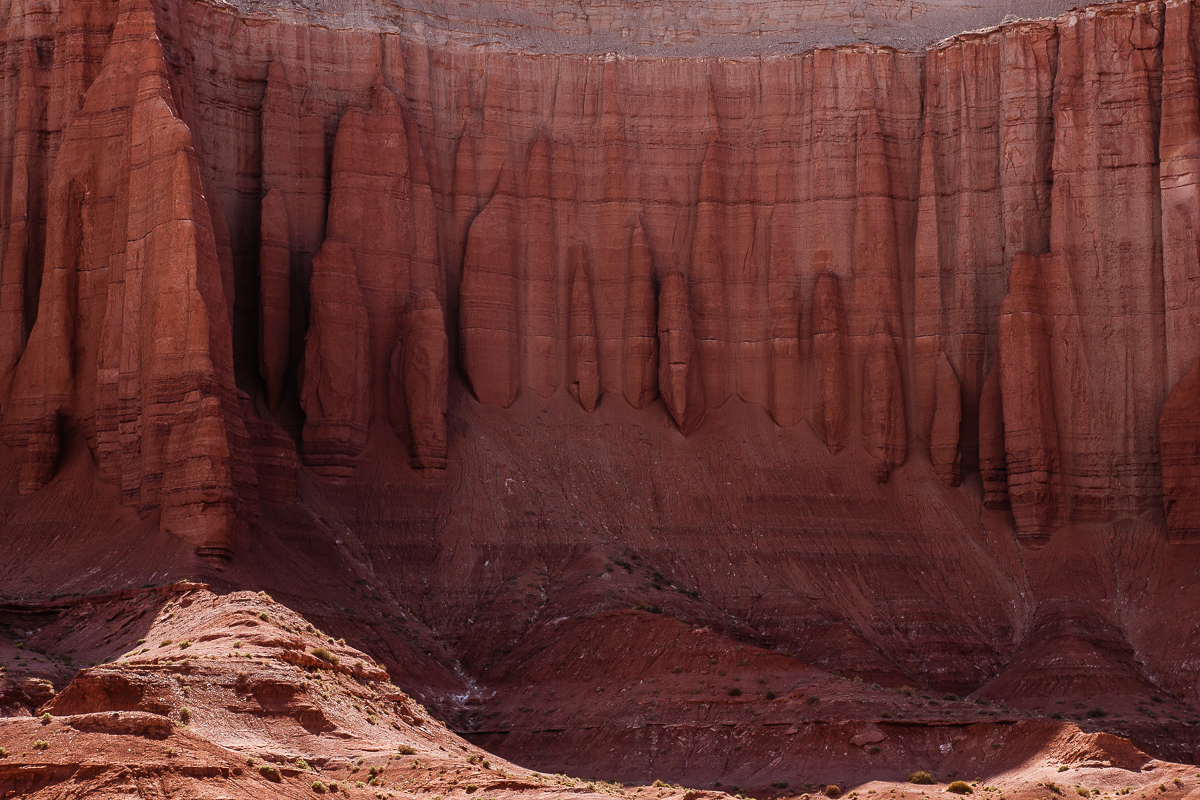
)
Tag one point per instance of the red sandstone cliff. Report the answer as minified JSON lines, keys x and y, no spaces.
{"x":802,"y":325}
{"x":844,"y":223}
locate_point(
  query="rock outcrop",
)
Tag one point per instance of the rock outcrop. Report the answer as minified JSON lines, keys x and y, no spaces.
{"x":129,"y":339}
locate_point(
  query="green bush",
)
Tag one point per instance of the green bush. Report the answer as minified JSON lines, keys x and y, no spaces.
{"x":40,"y":744}
{"x":318,"y":787}
{"x":960,"y":787}
{"x":269,"y":772}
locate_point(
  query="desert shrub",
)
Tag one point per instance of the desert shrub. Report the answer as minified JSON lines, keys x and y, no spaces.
{"x":770,"y":695}
{"x":3,"y":753}
{"x":953,"y":698}
{"x":185,"y":715}
{"x":735,"y":692}
{"x":1082,"y":792}
{"x":185,"y":644}
{"x":659,"y":784}
{"x":960,"y":787}
{"x":40,"y":744}
{"x":324,"y":654}
{"x":269,"y":772}
{"x":874,"y":749}
{"x":1063,"y":768}
{"x":812,"y":699}
{"x":780,"y":784}
{"x":922,"y":777}
{"x":318,"y":787}
{"x":833,"y":791}
{"x":908,"y":691}
{"x":263,"y":616}
{"x":676,"y":670}
{"x":46,"y":718}
{"x":406,"y":750}
{"x":302,"y":764}
{"x":1094,"y":713}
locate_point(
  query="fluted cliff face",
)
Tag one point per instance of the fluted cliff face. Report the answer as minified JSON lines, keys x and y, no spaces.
{"x":981,"y":255}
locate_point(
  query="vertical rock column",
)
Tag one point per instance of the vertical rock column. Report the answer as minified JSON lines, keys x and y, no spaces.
{"x":132,"y":344}
{"x":1104,"y":290}
{"x":489,"y":305}
{"x":336,"y":392}
{"x":275,"y":295}
{"x":420,"y":372}
{"x":1032,"y":453}
{"x":830,"y":394}
{"x":679,"y":379}
{"x":640,"y":354}
{"x":583,"y":369}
